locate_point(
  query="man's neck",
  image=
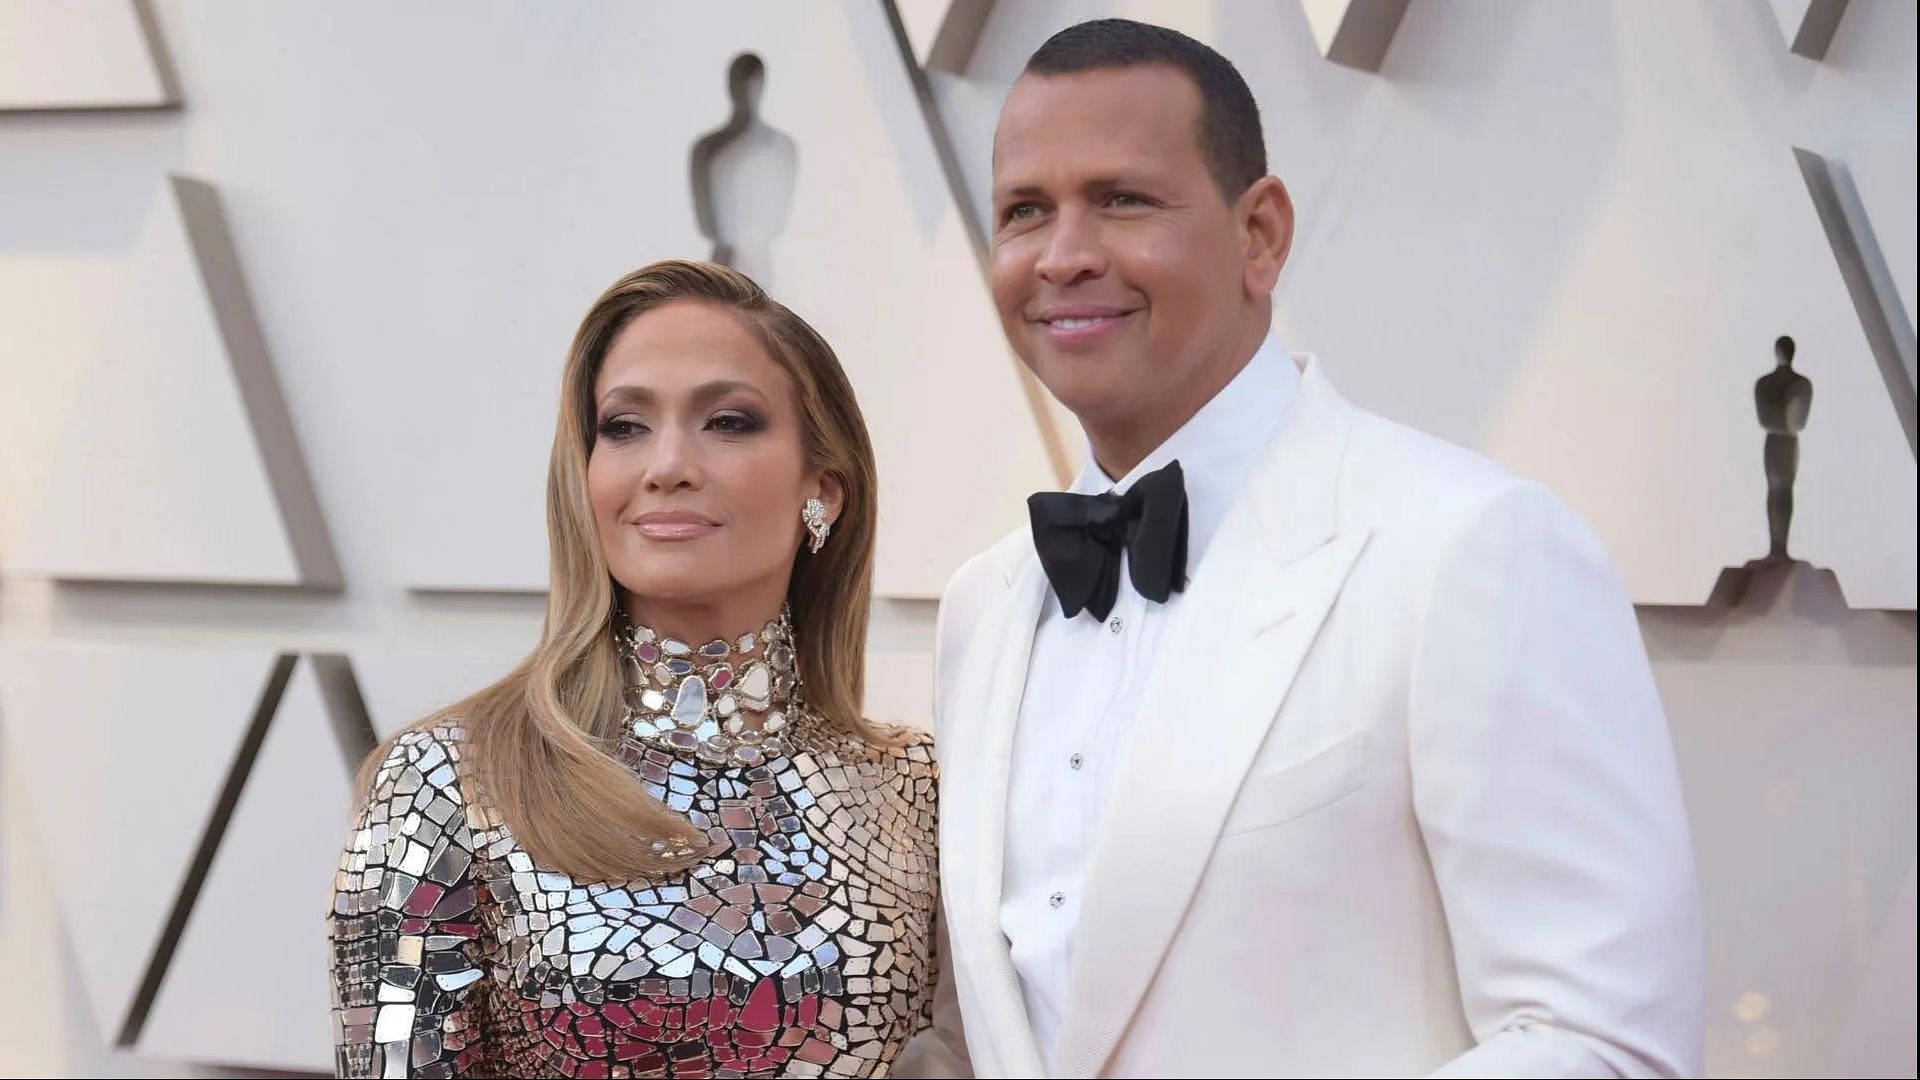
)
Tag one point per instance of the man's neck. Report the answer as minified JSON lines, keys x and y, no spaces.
{"x":1122,"y":444}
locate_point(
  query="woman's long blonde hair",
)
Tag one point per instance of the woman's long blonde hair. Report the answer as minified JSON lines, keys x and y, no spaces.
{"x":537,"y":741}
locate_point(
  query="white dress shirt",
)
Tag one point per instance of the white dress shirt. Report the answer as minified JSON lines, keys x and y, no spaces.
{"x":1085,"y":676}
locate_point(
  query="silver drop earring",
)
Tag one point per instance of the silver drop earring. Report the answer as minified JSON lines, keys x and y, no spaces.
{"x":814,"y":513}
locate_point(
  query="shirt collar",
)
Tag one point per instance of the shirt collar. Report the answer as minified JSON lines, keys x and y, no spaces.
{"x":1217,"y":445}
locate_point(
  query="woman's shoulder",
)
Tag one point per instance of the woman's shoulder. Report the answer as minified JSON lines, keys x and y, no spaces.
{"x":897,"y":748}
{"x":426,"y":756}
{"x":909,"y":747}
{"x":425,"y":738}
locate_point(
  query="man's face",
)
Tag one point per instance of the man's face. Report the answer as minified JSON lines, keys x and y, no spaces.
{"x":1119,"y":269}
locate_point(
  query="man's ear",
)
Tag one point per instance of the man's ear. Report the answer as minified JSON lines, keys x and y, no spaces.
{"x":1266,"y":225}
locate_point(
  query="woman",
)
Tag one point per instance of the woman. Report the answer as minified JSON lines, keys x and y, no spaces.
{"x":667,"y":843}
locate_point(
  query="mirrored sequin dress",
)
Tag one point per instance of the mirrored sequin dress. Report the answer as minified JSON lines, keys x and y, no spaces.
{"x":803,"y":948}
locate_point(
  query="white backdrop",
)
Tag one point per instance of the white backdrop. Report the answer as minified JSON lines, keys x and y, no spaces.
{"x":1565,"y":234}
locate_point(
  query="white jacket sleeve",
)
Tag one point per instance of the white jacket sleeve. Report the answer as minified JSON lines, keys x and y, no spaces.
{"x":1546,"y":791}
{"x":941,"y":1050}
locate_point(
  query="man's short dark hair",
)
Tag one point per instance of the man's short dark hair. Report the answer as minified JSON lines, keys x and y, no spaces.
{"x":1229,"y":132}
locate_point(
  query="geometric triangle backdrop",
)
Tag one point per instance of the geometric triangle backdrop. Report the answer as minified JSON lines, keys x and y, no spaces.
{"x":177,"y":461}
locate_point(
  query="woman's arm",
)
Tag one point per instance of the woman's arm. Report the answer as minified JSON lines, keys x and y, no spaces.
{"x":406,"y":935}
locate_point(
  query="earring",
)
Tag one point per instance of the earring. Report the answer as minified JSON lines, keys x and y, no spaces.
{"x":814,"y":513}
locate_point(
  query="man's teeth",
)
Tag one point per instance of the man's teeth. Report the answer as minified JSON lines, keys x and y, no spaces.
{"x":1076,"y":324}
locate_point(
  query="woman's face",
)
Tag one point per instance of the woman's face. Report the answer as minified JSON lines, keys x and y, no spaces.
{"x":699,"y":469}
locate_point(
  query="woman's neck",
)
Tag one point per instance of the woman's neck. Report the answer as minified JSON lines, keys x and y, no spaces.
{"x":701,"y":623}
{"x":726,"y":698}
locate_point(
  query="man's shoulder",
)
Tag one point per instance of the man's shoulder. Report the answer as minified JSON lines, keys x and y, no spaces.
{"x":968,"y":600}
{"x":1394,"y":475}
{"x":989,"y":569}
{"x":1429,"y":503}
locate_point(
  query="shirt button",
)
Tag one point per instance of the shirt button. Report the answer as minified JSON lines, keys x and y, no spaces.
{"x":1075,"y":762}
{"x":1116,"y":624}
{"x":1056,"y":900}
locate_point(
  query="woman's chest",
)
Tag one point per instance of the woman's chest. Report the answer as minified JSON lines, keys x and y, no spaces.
{"x":807,"y":935}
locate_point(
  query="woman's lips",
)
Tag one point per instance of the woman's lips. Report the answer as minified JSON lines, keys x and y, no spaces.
{"x":674,"y":525}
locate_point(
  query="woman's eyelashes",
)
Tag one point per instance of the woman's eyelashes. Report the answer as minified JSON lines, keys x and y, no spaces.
{"x":626,"y":426}
{"x":735,"y":422}
{"x":620,"y":428}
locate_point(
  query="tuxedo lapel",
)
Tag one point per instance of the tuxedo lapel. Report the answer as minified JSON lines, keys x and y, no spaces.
{"x":1235,"y":642}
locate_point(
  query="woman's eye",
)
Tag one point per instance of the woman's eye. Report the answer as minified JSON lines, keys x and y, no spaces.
{"x":734,"y":423}
{"x":620,"y":428}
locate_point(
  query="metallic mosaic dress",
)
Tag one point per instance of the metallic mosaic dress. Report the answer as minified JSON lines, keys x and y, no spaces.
{"x":802,"y":948}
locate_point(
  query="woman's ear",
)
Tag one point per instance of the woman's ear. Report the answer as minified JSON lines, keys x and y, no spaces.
{"x":833,"y":493}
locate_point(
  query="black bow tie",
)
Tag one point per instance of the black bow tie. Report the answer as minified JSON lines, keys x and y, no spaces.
{"x":1080,"y":537}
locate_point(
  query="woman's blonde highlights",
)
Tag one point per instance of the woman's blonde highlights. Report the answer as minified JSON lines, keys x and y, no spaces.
{"x":538,"y":740}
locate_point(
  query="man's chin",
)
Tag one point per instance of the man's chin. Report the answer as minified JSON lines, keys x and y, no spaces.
{"x":1098,"y":406}
{"x":1089,"y":382}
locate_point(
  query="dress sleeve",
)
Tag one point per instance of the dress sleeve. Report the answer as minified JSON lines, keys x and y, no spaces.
{"x":407,"y":943}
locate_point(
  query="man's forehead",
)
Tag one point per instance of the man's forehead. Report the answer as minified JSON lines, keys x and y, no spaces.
{"x":1104,"y":121}
{"x":1161,"y":88}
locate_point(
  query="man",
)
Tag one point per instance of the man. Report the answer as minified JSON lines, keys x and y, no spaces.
{"x":1290,"y":742}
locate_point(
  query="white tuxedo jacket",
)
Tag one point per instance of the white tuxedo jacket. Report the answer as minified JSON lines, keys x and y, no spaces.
{"x":1401,"y":798}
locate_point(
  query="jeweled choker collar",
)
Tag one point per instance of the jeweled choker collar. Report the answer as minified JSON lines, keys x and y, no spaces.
{"x":729,"y":702}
